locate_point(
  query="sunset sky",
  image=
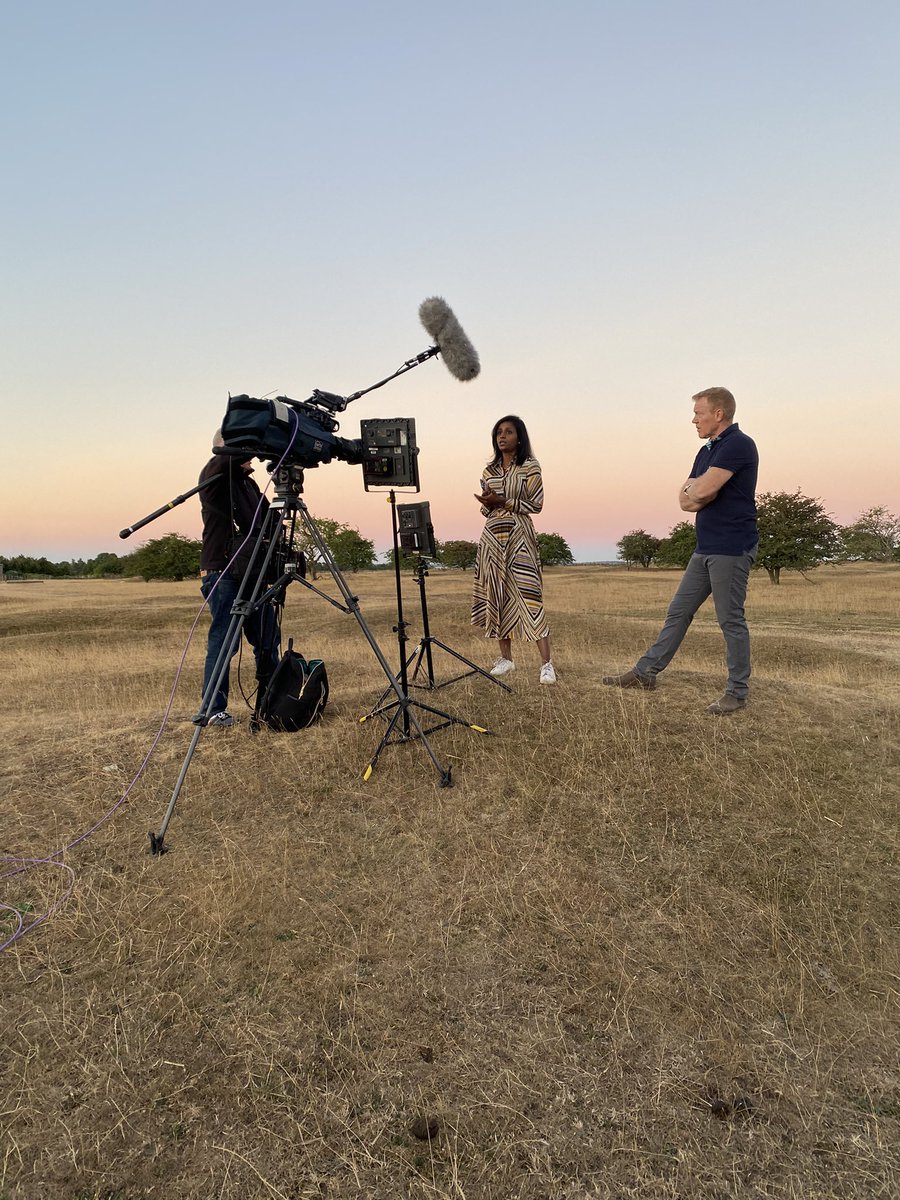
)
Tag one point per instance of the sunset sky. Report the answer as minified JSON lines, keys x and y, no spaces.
{"x":623,"y":203}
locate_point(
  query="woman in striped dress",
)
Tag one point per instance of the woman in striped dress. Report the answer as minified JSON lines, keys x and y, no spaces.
{"x":508,"y":598}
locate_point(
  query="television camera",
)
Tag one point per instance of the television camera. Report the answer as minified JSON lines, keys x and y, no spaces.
{"x":303,"y":433}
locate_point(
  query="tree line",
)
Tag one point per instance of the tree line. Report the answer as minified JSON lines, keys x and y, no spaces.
{"x":177,"y":557}
{"x":795,"y":534}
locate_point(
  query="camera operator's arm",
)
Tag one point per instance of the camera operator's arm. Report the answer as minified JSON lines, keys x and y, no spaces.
{"x":696,"y":492}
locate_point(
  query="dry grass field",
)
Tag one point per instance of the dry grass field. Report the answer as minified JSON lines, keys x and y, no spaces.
{"x":635,"y":951}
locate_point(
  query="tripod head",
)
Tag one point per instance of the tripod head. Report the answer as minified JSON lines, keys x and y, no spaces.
{"x":287,"y":481}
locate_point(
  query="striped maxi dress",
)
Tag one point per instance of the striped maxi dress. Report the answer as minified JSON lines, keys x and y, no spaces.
{"x":508,"y":594}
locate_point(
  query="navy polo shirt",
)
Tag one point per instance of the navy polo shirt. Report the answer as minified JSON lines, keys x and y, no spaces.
{"x":727,"y":525}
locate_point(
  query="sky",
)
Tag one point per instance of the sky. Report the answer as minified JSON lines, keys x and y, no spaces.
{"x":623,"y":203}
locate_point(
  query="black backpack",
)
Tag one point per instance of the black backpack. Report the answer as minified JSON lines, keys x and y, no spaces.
{"x":296,"y":694}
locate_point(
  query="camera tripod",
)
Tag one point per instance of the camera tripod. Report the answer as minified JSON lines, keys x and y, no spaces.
{"x":288,"y":506}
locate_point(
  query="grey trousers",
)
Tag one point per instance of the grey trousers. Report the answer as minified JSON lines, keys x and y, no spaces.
{"x":724,"y":576}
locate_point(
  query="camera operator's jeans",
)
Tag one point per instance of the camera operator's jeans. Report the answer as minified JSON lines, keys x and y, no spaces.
{"x":260,"y":628}
{"x":724,"y":577}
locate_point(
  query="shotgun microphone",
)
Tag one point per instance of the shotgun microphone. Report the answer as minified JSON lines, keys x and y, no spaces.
{"x":459,"y":355}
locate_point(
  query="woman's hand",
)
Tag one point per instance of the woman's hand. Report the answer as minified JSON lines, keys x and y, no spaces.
{"x":490,"y":499}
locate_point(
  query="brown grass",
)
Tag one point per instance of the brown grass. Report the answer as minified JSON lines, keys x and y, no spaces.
{"x":635,"y":951}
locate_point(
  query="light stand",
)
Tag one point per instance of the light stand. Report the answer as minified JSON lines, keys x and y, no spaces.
{"x":400,"y":708}
{"x":422,"y":653}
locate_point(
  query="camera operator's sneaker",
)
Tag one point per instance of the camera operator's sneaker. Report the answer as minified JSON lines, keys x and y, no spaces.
{"x":548,"y":675}
{"x":502,"y":667}
{"x":221,"y":720}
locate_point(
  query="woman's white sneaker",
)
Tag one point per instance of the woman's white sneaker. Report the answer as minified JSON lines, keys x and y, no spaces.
{"x":548,"y":675}
{"x":503,"y":666}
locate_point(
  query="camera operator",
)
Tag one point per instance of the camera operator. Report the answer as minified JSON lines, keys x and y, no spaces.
{"x":228,"y":507}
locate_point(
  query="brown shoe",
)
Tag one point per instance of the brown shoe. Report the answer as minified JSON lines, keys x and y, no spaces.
{"x":727,"y":704}
{"x":631,"y":679}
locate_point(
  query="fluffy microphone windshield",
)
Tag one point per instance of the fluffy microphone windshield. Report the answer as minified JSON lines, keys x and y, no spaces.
{"x":458,"y":353}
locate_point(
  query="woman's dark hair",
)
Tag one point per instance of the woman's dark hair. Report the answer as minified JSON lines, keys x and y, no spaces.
{"x":523,"y":450}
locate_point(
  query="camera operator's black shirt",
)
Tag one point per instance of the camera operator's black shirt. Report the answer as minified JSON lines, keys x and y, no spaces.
{"x":228,"y":506}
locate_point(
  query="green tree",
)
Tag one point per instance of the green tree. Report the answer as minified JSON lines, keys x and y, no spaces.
{"x":329,"y":530}
{"x":458,"y":554}
{"x":676,"y":549}
{"x":351,"y":551}
{"x":554,"y":550}
{"x":27,"y":564}
{"x":639,"y":546}
{"x":105,"y":563}
{"x":169,"y":557}
{"x":795,"y":533}
{"x":407,"y":560}
{"x":873,"y":537}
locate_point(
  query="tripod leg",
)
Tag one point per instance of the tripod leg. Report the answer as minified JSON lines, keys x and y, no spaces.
{"x":379,"y":707}
{"x":240,"y":611}
{"x":219,"y":671}
{"x":157,"y":840}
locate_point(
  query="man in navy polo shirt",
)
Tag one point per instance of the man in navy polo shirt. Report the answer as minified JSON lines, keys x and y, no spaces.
{"x":721,"y":490}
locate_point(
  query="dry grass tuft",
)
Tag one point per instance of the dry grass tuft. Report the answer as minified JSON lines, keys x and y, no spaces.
{"x":635,"y":951}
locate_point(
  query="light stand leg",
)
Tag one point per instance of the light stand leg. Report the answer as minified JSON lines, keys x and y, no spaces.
{"x":426,"y":630}
{"x":423,"y":651}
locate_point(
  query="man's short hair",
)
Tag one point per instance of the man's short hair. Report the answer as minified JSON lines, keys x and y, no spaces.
{"x":718,"y":397}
